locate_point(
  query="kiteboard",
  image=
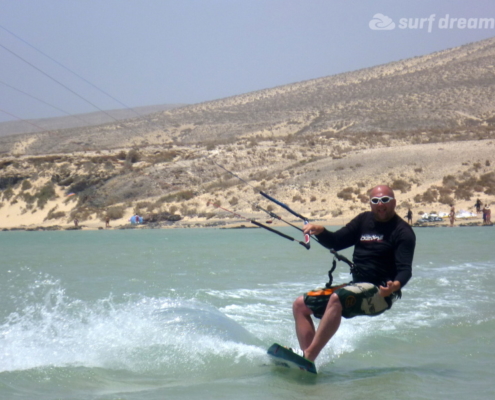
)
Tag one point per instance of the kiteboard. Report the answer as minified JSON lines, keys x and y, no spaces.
{"x":284,"y":357}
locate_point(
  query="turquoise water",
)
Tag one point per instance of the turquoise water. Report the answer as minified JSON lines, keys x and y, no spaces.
{"x":183,"y":314}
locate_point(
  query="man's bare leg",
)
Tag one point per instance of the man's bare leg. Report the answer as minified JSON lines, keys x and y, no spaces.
{"x":305,"y":330}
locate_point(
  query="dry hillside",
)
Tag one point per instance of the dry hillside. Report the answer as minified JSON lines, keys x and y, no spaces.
{"x":423,"y":125}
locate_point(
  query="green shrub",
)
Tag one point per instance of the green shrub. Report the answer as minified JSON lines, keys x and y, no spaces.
{"x":148,"y":206}
{"x":463,"y":193}
{"x":444,"y":191}
{"x":53,"y":214}
{"x":164,"y":156}
{"x":186,"y":211}
{"x":27,"y":197}
{"x":133,"y":156}
{"x":26,"y":185}
{"x":346,"y":194}
{"x":430,"y":196}
{"x":46,"y":193}
{"x":402,"y":185}
{"x":183,"y":195}
{"x":490,"y":191}
{"x":488,"y":182}
{"x":115,"y":212}
{"x":446,"y":199}
{"x":82,"y":214}
{"x":8,"y":193}
{"x":206,"y":215}
{"x":450,"y":181}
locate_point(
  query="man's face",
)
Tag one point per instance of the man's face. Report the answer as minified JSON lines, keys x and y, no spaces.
{"x":383,"y":212}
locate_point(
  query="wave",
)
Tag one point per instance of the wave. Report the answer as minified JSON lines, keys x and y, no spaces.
{"x":175,"y":336}
{"x":135,"y":333}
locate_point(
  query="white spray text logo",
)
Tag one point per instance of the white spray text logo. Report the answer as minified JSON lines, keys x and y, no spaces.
{"x":381,"y":22}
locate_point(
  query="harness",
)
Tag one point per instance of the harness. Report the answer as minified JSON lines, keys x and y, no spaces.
{"x":329,"y":289}
{"x":338,"y":257}
{"x":353,"y":268}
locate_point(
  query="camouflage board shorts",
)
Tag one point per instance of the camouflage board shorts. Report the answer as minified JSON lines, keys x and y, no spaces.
{"x":356,"y":299}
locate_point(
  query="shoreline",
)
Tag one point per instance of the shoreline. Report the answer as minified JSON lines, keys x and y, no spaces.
{"x":220,"y":224}
{"x":329,"y":192}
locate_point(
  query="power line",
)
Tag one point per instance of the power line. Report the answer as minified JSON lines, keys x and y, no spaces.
{"x":44,"y":102}
{"x":147,"y":118}
{"x":59,"y":83}
{"x":70,"y":70}
{"x":23,"y":120}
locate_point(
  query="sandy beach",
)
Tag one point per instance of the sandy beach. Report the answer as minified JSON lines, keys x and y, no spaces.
{"x":425,"y":166}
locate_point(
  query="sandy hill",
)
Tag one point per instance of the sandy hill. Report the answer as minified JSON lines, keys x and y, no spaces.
{"x":80,"y":120}
{"x":423,"y":125}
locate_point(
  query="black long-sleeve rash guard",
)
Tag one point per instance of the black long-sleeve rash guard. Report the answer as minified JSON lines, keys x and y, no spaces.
{"x":383,"y":251}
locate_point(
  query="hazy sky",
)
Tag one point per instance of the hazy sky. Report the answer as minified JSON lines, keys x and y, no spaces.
{"x":147,"y":52}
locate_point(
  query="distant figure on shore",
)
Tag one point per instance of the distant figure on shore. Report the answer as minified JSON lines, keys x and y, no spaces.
{"x":409,"y":216}
{"x":107,"y":222}
{"x":478,"y":206}
{"x":76,"y":222}
{"x":452,"y":215}
{"x":487,"y":217}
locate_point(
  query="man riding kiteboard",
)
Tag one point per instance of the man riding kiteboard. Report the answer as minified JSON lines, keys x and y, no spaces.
{"x":383,"y":253}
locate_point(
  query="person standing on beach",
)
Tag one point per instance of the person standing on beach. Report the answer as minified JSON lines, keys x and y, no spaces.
{"x":409,"y":216}
{"x":452,"y":215}
{"x":383,"y":252}
{"x":478,"y":206}
{"x":486,"y":215}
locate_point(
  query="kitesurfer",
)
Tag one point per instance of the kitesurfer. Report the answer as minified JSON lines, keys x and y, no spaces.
{"x":383,"y":252}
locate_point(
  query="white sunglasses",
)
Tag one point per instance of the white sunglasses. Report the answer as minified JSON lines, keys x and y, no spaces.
{"x":383,"y":199}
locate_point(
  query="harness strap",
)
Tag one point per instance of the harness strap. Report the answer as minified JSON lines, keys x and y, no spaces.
{"x":327,"y":291}
{"x":338,"y":257}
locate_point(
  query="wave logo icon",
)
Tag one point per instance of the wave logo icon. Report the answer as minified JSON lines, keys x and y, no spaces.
{"x":381,"y":22}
